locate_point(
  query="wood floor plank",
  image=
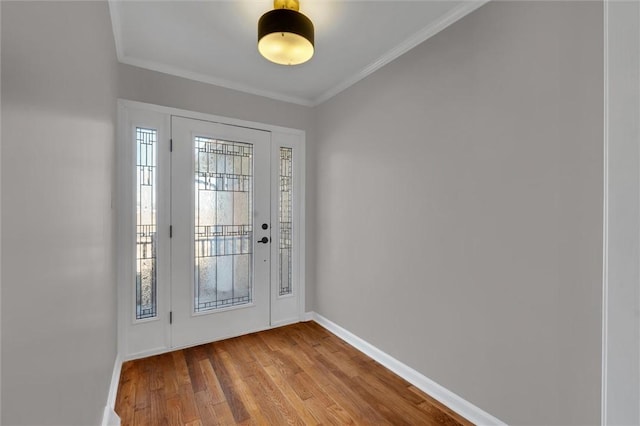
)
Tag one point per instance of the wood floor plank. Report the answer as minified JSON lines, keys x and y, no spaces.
{"x":174,"y":412}
{"x":299,"y":382}
{"x":142,"y":417}
{"x":167,"y":366}
{"x":258,"y":350}
{"x":285,"y":364}
{"x":156,"y":376}
{"x":346,"y":365}
{"x":360,"y":413}
{"x":142,"y":386}
{"x":158,"y":408}
{"x":341,"y":400}
{"x":451,"y":416}
{"x":126,"y":396}
{"x":316,"y":380}
{"x":391,"y":381}
{"x":226,"y":384}
{"x":313,"y":388}
{"x":340,"y":415}
{"x":298,"y":375}
{"x":317,"y":411}
{"x":263,"y":388}
{"x":210,"y":413}
{"x":360,"y":405}
{"x":181,"y":369}
{"x":193,"y":356}
{"x":305,"y":354}
{"x":211,"y":382}
{"x":255,"y":414}
{"x":401,"y":408}
{"x":222,"y":414}
{"x":284,"y":385}
{"x":188,"y":406}
{"x":436,"y":416}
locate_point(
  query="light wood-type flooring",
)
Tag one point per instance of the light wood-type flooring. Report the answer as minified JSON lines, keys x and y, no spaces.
{"x":298,"y":375}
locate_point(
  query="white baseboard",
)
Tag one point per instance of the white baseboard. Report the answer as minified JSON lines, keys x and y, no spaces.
{"x":109,"y":416}
{"x":436,"y":391}
{"x":308,"y":316}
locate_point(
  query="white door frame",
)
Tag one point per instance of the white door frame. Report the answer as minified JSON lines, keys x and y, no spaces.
{"x":132,"y":344}
{"x":620,"y":393}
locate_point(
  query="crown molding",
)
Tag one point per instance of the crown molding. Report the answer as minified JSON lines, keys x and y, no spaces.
{"x":419,"y":37}
{"x":116,"y":26}
{"x":227,"y":84}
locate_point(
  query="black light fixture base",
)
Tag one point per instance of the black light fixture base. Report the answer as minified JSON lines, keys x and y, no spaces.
{"x":286,"y":21}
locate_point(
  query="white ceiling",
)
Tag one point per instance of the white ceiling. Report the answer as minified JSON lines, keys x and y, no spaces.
{"x":215,"y":41}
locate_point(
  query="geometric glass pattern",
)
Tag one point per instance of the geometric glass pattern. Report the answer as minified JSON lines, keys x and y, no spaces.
{"x":146,"y":237}
{"x":223,"y":224}
{"x":286,"y":201}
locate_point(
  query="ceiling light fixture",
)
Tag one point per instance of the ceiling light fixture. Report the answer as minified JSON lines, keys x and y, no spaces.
{"x":285,"y":36}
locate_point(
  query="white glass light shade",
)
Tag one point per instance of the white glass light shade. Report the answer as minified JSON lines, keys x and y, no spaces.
{"x":285,"y":48}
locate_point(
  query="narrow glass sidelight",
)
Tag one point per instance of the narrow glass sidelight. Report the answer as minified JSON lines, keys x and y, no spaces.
{"x":223,"y":224}
{"x":286,"y":204}
{"x":146,"y":223}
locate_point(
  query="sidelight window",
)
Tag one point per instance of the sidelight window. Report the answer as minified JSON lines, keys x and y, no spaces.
{"x":285,"y":215}
{"x":146,"y":224}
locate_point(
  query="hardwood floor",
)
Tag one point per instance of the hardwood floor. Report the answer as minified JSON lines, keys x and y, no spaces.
{"x":299,"y":374}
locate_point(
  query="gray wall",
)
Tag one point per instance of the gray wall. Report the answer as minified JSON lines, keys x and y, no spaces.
{"x":622,"y":386}
{"x":142,"y":85}
{"x":138,"y":84}
{"x":58,"y":292}
{"x":459,"y":194}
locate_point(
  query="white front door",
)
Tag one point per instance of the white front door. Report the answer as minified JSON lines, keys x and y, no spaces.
{"x":210,"y":228}
{"x":221,"y":237}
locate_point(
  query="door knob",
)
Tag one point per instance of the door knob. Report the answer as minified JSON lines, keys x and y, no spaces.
{"x":264,"y":240}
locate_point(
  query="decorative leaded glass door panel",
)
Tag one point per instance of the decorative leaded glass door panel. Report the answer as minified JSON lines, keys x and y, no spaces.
{"x":220,"y":199}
